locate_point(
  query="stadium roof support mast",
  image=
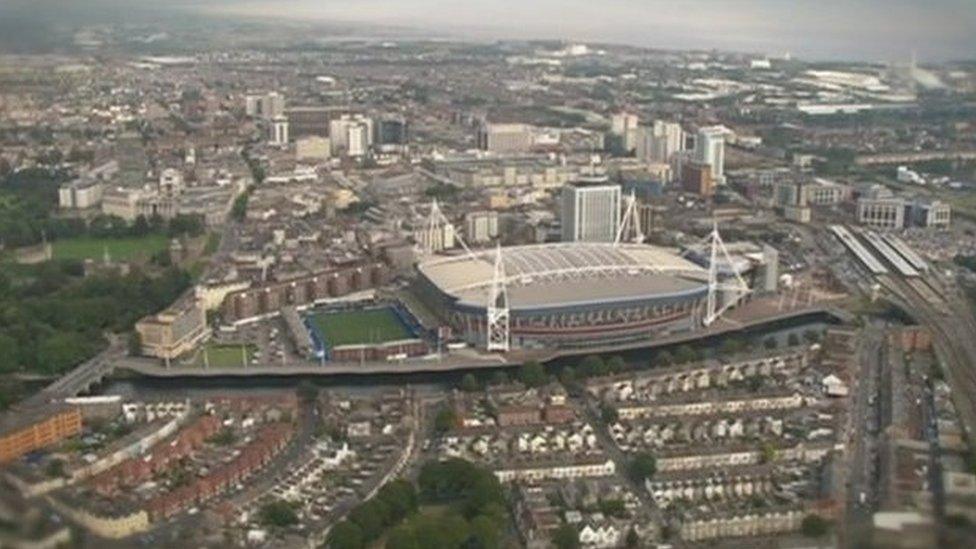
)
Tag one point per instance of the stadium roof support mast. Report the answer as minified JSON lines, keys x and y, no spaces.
{"x":436,"y":224}
{"x":735,"y":284}
{"x":630,"y":222}
{"x":498,"y":336}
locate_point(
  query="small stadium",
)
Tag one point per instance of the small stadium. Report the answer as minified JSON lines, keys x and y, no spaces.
{"x":385,"y":331}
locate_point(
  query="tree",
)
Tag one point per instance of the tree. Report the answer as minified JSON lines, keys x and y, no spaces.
{"x":567,"y":376}
{"x":135,"y":344}
{"x":239,"y":210}
{"x":403,"y":537}
{"x":664,"y":358}
{"x":592,"y":365}
{"x":400,"y":497}
{"x":9,"y":351}
{"x":642,"y":467}
{"x":499,"y":378}
{"x":140,"y":227}
{"x":186,"y":225}
{"x":373,"y":516}
{"x":811,"y":336}
{"x":532,"y":374}
{"x":345,"y":535}
{"x":469,"y":384}
{"x":454,"y":479}
{"x":54,"y":468}
{"x":685,"y":354}
{"x":608,"y":413}
{"x":814,"y":526}
{"x":566,"y":537}
{"x":486,"y":532}
{"x":732,"y":345}
{"x":793,"y":340}
{"x":278,"y":514}
{"x":632,"y":540}
{"x":62,"y":351}
{"x":767,"y":452}
{"x":616,"y":364}
{"x":613,"y":508}
{"x":445,"y":420}
{"x":770,"y":343}
{"x":307,"y":391}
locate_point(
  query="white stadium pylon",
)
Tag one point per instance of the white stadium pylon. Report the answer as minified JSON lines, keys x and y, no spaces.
{"x":630,"y":224}
{"x":734,"y":287}
{"x":497,"y":325}
{"x":436,"y":223}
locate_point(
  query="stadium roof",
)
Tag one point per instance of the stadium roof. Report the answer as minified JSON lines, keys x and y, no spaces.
{"x":567,"y":273}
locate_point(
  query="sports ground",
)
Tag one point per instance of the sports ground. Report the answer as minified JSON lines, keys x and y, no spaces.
{"x":358,"y":327}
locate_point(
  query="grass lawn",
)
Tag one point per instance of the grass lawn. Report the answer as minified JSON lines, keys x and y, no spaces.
{"x":120,"y":249}
{"x":357,"y":327}
{"x":224,"y":356}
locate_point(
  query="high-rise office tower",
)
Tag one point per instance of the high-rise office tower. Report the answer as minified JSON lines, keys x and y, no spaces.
{"x":590,"y":210}
{"x":710,"y":149}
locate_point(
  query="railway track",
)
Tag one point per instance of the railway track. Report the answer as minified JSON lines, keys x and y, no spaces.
{"x":954,"y":337}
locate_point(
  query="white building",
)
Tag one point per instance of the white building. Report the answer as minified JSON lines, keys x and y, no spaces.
{"x":481,"y":226}
{"x":80,"y":194}
{"x":351,"y":134}
{"x":710,"y":149}
{"x":659,"y":143}
{"x":279,"y":130}
{"x":624,"y":125}
{"x":881,"y":209}
{"x":556,"y":470}
{"x":590,"y":211}
{"x":931,"y":214}
{"x":437,"y":240}
{"x":506,"y":137}
{"x":267,"y":106}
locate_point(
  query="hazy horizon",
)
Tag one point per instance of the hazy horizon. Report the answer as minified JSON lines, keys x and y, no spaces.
{"x":870,"y":30}
{"x":878,"y":30}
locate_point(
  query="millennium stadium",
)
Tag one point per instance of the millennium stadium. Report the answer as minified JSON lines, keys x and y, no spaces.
{"x":568,"y":294}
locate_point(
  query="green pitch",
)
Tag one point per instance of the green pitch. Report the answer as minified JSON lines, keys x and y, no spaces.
{"x":119,"y":249}
{"x":359,"y":327}
{"x":224,"y":355}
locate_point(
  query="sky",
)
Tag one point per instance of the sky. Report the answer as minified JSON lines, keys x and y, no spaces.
{"x":864,"y":29}
{"x":878,"y":30}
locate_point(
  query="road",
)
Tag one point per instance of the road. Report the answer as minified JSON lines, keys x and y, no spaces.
{"x":621,"y":461}
{"x":409,"y":455}
{"x":864,"y":417}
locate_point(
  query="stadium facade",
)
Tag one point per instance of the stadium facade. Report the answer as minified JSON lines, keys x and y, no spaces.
{"x":565,"y":295}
